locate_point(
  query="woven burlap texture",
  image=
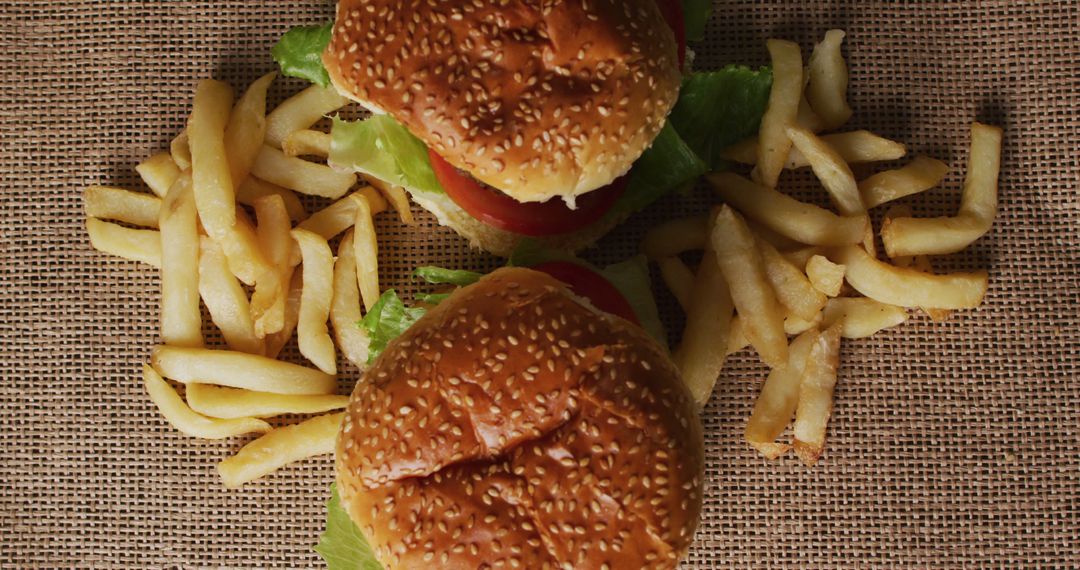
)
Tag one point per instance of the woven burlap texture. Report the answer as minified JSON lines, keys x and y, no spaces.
{"x":952,"y":445}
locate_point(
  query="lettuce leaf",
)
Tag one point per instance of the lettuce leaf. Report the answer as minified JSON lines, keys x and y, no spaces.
{"x":386,"y":320}
{"x":667,"y":165}
{"x":441,"y":276}
{"x":695,"y":15}
{"x":299,"y":53}
{"x":383,"y":148}
{"x":342,"y":545}
{"x":719,"y":108}
{"x":431,"y":298}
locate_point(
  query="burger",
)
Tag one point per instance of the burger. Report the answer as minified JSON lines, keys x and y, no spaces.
{"x":517,"y":425}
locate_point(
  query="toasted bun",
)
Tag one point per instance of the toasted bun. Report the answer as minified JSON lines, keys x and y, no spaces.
{"x":514,"y":426}
{"x":536,"y":99}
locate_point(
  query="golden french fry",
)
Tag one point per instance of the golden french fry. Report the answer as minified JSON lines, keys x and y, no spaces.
{"x":318,"y":274}
{"x":794,"y":325}
{"x":239,"y":370}
{"x":352,"y":339}
{"x":301,"y":111}
{"x":907,"y":287}
{"x":765,"y":233}
{"x":854,"y":147}
{"x":229,"y":403}
{"x":676,"y":236}
{"x":134,"y":245}
{"x":210,"y":176}
{"x":280,"y":447}
{"x":860,"y":317}
{"x":181,"y":317}
{"x":298,"y":174}
{"x":366,"y":251}
{"x":807,"y":118}
{"x":177,"y":413}
{"x":241,"y":248}
{"x":816,"y":395}
{"x":271,"y":288}
{"x":781,"y":112}
{"x":276,"y":341}
{"x":679,"y":280}
{"x":978,"y":206}
{"x":252,"y":189}
{"x":827,"y":88}
{"x":779,"y":396}
{"x":340,"y":216}
{"x":247,"y":128}
{"x":744,"y":272}
{"x":792,"y":288}
{"x":180,"y":151}
{"x":307,"y":142}
{"x":158,"y":172}
{"x":824,"y":275}
{"x":920,"y":175}
{"x":398,"y":198}
{"x":122,"y":205}
{"x":830,"y":168}
{"x":737,"y":336}
{"x":922,"y":263}
{"x":699,"y":357}
{"x":226,"y":301}
{"x":799,"y":256}
{"x":805,"y":223}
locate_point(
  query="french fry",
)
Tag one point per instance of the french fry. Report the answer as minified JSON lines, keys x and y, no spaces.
{"x":340,"y":216}
{"x":181,"y":317}
{"x":854,"y":147}
{"x":305,"y":177}
{"x":824,"y":275}
{"x":816,"y":395}
{"x":398,"y":198}
{"x":188,"y":422}
{"x":827,"y":87}
{"x":737,"y":336}
{"x":122,"y":205}
{"x":301,"y":111}
{"x":229,"y":403}
{"x":276,"y":341}
{"x":978,"y":206}
{"x":765,"y":233}
{"x":180,"y":151}
{"x":830,"y":168}
{"x":239,"y":370}
{"x":920,"y":175}
{"x":679,"y":280}
{"x":744,"y":272}
{"x":211,"y":180}
{"x":779,"y":396}
{"x":246,"y":129}
{"x":794,"y":325}
{"x":251,"y":189}
{"x":135,"y":245}
{"x":907,"y":287}
{"x":241,"y":248}
{"x":366,"y":251}
{"x":306,"y":142}
{"x":280,"y":447}
{"x":781,"y":112}
{"x":225,"y":299}
{"x":318,"y":275}
{"x":917,"y":262}
{"x":807,"y":118}
{"x":799,"y":257}
{"x":860,"y":317}
{"x":793,"y":290}
{"x":271,"y":288}
{"x":352,"y":339}
{"x":707,"y":327}
{"x":158,"y":172}
{"x":676,"y":236}
{"x":805,"y":223}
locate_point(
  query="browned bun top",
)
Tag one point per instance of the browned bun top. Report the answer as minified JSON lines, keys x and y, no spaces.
{"x":514,"y":427}
{"x":536,"y":98}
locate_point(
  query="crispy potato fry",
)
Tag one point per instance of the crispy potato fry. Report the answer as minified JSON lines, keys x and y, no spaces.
{"x":787,"y":216}
{"x":794,"y":325}
{"x":920,"y":175}
{"x":134,"y":245}
{"x":744,"y":272}
{"x":830,"y":168}
{"x":824,"y":275}
{"x":246,"y":129}
{"x":676,"y":236}
{"x":779,"y":396}
{"x":827,"y":87}
{"x":180,"y":151}
{"x":807,"y":118}
{"x":122,"y":205}
{"x":252,"y":189}
{"x":210,"y":176}
{"x":399,"y":199}
{"x":860,"y":317}
{"x":307,"y":142}
{"x":158,"y":172}
{"x":352,"y":339}
{"x":275,"y":342}
{"x":781,"y":112}
{"x":280,"y":447}
{"x":816,"y":395}
{"x":854,"y":147}
{"x":699,"y":357}
{"x":318,"y":274}
{"x":737,"y":336}
{"x":228,"y":403}
{"x":341,"y":215}
{"x":305,"y":177}
{"x":226,"y":300}
{"x":239,"y":370}
{"x":799,"y":257}
{"x":301,"y":111}
{"x":679,"y":280}
{"x":792,"y":288}
{"x":922,"y":263}
{"x":978,"y":206}
{"x":177,"y":413}
{"x":241,"y":248}
{"x":908,"y":287}
{"x":271,"y":288}
{"x":366,"y":251}
{"x":181,"y":317}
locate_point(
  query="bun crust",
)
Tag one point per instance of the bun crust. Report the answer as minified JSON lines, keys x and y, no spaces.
{"x":514,"y":427}
{"x":537,"y":99}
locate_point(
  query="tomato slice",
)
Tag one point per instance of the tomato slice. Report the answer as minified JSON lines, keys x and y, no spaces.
{"x":526,"y":218}
{"x":589,"y":284}
{"x":673,"y":14}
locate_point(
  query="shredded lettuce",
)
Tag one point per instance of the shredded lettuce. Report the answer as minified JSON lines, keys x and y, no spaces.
{"x":342,"y":545}
{"x":667,"y":165}
{"x":386,"y":320}
{"x":441,"y":276}
{"x":299,"y":53}
{"x":695,"y":15}
{"x":383,"y":148}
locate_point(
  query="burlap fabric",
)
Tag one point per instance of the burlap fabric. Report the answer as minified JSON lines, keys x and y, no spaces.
{"x":952,"y":445}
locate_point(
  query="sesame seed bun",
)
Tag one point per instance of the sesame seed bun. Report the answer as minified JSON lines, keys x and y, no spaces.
{"x":516,"y":426}
{"x":536,"y":99}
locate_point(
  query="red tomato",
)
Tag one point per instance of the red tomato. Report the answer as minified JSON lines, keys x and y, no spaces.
{"x":587,"y":283}
{"x":526,"y":218}
{"x":672,"y":11}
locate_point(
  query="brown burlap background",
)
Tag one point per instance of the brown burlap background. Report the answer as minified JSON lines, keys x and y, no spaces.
{"x":952,"y":445}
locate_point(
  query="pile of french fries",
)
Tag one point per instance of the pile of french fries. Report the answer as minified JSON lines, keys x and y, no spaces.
{"x":775,"y":267}
{"x":261,"y":279}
